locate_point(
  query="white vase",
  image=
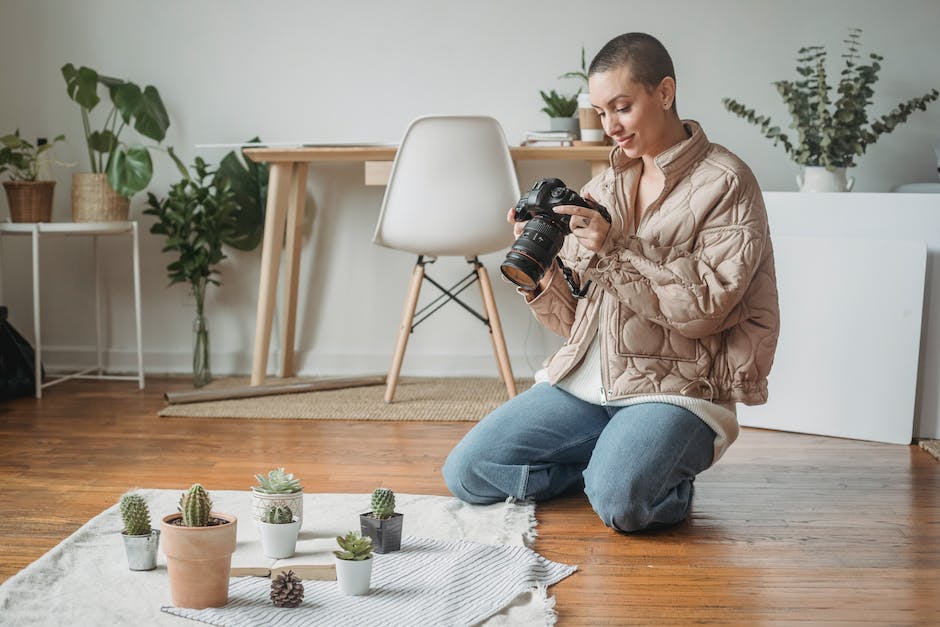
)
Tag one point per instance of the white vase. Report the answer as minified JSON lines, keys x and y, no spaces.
{"x":261,"y":503}
{"x":353,"y":576}
{"x":819,"y":179}
{"x":279,"y":540}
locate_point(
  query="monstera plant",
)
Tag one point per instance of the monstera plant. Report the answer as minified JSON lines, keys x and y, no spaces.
{"x":128,"y":165}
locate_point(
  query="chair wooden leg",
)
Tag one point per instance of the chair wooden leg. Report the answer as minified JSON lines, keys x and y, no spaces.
{"x":496,"y":331}
{"x":407,"y":317}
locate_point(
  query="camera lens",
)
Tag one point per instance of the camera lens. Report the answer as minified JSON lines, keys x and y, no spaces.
{"x":532,"y":254}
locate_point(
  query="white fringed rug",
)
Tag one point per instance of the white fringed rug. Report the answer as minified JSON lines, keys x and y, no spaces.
{"x":85,"y":580}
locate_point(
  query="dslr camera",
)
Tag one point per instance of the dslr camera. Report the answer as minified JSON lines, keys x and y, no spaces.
{"x":535,"y":250}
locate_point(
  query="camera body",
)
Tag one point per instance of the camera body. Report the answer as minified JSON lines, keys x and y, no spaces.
{"x":534,"y":251}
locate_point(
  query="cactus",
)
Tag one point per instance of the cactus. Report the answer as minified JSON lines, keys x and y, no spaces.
{"x":383,"y":503}
{"x":195,"y":505}
{"x":278,"y":482}
{"x":278,"y":515}
{"x":135,"y":514}
{"x":354,"y":547}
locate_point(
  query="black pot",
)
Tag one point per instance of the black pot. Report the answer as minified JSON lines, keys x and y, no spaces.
{"x":385,"y":532}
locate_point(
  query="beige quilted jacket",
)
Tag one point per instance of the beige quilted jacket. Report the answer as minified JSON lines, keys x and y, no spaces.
{"x":690,"y":295}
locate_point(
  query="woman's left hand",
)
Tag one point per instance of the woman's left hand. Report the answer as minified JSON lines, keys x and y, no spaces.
{"x":587,"y":225}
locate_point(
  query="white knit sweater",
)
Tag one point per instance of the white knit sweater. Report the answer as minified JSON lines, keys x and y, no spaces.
{"x":584,"y":382}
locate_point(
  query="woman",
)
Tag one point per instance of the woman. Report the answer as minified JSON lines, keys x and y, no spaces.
{"x":679,"y":323}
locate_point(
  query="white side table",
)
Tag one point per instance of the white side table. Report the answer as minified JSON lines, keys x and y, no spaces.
{"x":37,"y":230}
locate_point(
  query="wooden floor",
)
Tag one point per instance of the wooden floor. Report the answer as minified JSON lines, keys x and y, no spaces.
{"x":786,"y":528}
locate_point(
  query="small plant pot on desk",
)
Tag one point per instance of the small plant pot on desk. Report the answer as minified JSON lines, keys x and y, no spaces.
{"x":384,"y":532}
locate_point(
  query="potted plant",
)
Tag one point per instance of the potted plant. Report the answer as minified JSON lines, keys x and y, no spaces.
{"x":589,"y":122}
{"x":140,"y":539}
{"x":830,"y":135}
{"x":198,"y":544}
{"x":279,"y":528}
{"x":561,"y":110}
{"x":29,"y":195}
{"x":353,"y":563}
{"x":278,"y":487}
{"x":118,"y":169}
{"x":196,"y":218}
{"x":383,"y":524}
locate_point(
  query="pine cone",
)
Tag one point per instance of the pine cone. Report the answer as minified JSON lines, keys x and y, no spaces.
{"x":287,"y":590}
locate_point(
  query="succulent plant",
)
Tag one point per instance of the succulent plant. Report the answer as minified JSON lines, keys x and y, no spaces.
{"x":383,"y":503}
{"x":354,"y":547}
{"x":135,"y":514}
{"x":278,"y":515}
{"x":278,"y":482}
{"x":195,"y":506}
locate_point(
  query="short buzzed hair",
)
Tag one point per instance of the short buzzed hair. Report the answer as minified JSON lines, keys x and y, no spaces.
{"x":647,"y":58}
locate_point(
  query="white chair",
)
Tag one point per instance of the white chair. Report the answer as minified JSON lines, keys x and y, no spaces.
{"x":451,"y":185}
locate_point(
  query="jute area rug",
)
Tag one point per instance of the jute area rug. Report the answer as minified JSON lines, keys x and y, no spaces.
{"x":441,"y":399}
{"x":85,"y":580}
{"x":932,"y":447}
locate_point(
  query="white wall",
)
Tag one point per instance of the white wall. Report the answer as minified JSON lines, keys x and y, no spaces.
{"x":303,"y":70}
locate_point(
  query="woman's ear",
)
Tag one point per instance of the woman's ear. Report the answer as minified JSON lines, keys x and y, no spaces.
{"x":666,"y":92}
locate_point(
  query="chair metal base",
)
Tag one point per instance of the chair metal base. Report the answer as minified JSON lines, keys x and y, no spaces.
{"x":490,"y":318}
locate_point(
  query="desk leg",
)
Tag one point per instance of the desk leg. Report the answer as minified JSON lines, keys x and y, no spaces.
{"x":295,"y":220}
{"x":36,"y":326}
{"x":278,"y":187}
{"x":96,"y":254}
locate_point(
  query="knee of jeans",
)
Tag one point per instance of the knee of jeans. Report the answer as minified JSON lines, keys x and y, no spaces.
{"x":624,"y":507}
{"x":457,"y":474}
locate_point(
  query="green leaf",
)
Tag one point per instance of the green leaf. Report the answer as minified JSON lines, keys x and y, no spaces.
{"x":130,"y":171}
{"x":152,"y":119}
{"x":127,"y":99}
{"x":102,"y":141}
{"x":82,"y":85}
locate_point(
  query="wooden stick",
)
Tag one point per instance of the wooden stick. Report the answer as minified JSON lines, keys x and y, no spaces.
{"x":200,"y":396}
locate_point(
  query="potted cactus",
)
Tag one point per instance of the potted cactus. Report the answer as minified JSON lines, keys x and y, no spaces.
{"x":140,"y":539}
{"x":353,"y":563}
{"x":278,"y":487}
{"x":279,"y":528}
{"x":198,"y":544}
{"x":383,"y":524}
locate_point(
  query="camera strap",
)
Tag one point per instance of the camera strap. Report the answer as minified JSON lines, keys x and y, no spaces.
{"x":570,"y":280}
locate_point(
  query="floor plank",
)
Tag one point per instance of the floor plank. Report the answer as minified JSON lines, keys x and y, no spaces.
{"x":787,"y":528}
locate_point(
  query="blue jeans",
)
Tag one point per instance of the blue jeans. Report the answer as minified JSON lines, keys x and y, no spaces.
{"x":636,"y":464}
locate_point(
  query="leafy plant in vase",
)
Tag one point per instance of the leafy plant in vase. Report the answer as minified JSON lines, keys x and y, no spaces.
{"x":561,"y":110}
{"x":118,"y":169}
{"x":140,"y":539}
{"x":29,"y":196}
{"x":589,"y":122}
{"x":830,"y":135}
{"x":353,"y":563}
{"x":279,"y":529}
{"x":278,"y":487}
{"x":383,"y":524}
{"x":196,"y":219}
{"x":198,"y":544}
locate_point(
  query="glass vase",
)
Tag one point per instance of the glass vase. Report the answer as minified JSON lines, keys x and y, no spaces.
{"x":201,"y":373}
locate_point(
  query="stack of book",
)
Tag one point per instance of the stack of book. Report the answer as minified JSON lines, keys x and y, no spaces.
{"x":549,"y":138}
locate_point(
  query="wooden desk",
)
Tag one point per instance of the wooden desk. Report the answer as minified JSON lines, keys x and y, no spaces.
{"x":287,"y":190}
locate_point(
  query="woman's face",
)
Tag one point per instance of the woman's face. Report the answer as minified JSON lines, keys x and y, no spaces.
{"x":633,"y":116}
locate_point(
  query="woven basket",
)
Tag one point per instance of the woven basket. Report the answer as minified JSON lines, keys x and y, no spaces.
{"x":93,"y":200}
{"x":30,"y":201}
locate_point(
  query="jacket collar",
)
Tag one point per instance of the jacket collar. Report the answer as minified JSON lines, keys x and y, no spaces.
{"x":676,"y":160}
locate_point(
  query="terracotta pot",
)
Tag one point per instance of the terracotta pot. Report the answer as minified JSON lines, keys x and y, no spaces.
{"x":198,"y":560}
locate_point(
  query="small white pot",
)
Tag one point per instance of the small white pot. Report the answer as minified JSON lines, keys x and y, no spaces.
{"x":353,"y":576}
{"x":279,"y":541}
{"x":261,"y":503}
{"x":818,"y":179}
